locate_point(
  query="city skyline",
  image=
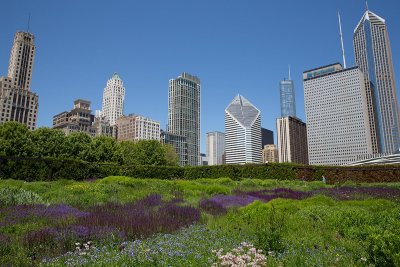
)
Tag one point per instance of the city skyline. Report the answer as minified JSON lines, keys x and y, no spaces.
{"x":254,"y":74}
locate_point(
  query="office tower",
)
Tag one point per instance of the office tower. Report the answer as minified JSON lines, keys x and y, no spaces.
{"x":215,"y":147}
{"x":288,"y":101}
{"x":113,"y":99}
{"x":292,"y":140}
{"x":270,"y":153}
{"x":79,"y":119}
{"x":136,"y":127}
{"x":242,"y":132}
{"x":338,"y":127}
{"x":179,"y":143}
{"x":184,"y":113}
{"x":204,"y":159}
{"x":17,"y":102}
{"x":267,"y":137}
{"x":374,"y":58}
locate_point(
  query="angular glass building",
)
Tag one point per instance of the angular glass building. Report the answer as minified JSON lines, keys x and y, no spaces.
{"x":374,"y":58}
{"x":242,"y":132}
{"x":288,"y":102}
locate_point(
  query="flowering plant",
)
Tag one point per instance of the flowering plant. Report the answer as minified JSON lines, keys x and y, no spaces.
{"x":244,"y":255}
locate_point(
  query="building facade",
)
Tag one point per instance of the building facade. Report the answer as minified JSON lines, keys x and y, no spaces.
{"x":267,"y":137}
{"x":242,"y":132}
{"x":79,"y":119}
{"x":270,"y":154}
{"x":292,"y":140}
{"x":102,"y":126}
{"x":184,"y":113}
{"x":338,"y":127}
{"x":288,"y":100}
{"x":215,"y":147}
{"x":136,"y":127}
{"x":179,"y":143}
{"x":374,"y":58}
{"x":17,"y":102}
{"x":113,"y":99}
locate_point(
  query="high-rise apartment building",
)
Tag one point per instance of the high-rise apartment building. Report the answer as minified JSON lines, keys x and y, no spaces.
{"x":338,"y":127}
{"x":184,"y":113}
{"x":135,"y":128}
{"x":113,"y":99}
{"x":179,"y":143}
{"x":374,"y":58}
{"x":79,"y":119}
{"x":215,"y":147}
{"x":17,"y":102}
{"x":292,"y":140}
{"x":242,"y":132}
{"x":270,"y":153}
{"x":288,"y":101}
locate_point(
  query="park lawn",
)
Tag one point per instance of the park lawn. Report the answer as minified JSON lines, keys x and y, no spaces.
{"x":152,"y":222}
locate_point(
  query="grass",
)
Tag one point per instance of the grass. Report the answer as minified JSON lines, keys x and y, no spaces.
{"x":295,"y":223}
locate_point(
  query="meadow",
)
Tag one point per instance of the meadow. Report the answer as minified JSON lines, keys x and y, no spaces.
{"x":123,"y":221}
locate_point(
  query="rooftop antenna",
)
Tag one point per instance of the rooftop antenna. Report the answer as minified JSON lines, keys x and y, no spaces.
{"x":366,"y":5}
{"x":289,"y":74}
{"x":29,"y":22}
{"x":341,"y":40}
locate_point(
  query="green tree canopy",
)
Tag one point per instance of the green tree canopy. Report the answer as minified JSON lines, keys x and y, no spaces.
{"x":15,"y":140}
{"x":77,"y":145}
{"x":48,"y":142}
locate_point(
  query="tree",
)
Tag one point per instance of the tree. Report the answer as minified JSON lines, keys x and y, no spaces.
{"x":171,"y":157}
{"x":146,"y":152}
{"x":77,"y":145}
{"x":126,"y":150}
{"x":102,"y":149}
{"x":48,"y":142}
{"x":15,"y":140}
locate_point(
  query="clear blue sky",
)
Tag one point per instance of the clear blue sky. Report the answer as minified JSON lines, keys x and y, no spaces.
{"x":233,"y":46}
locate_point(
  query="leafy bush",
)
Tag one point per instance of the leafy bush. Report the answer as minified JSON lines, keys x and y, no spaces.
{"x":18,"y":196}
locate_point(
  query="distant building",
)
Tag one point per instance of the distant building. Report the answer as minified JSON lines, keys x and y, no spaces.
{"x":136,"y":127}
{"x":113,"y":99}
{"x":204,"y":159}
{"x":242,"y":132}
{"x":17,"y":102}
{"x":270,"y":153}
{"x":288,"y":100}
{"x":215,"y":146}
{"x":179,"y":143}
{"x":338,"y":127}
{"x":373,"y":56}
{"x":79,"y":119}
{"x":292,"y":140}
{"x":267,"y":137}
{"x":102,"y":126}
{"x":184,"y":113}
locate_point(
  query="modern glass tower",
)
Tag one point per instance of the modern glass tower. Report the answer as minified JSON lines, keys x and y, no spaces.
{"x":113,"y":99}
{"x":184,"y":113}
{"x":288,"y":102}
{"x":374,"y":58}
{"x":242,"y":132}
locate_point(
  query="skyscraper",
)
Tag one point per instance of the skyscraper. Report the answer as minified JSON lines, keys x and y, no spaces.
{"x":136,"y":127}
{"x":184,"y":113}
{"x":113,"y":99}
{"x":242,"y":132}
{"x":292,"y":140}
{"x":17,"y":102}
{"x":374,"y":58}
{"x":288,"y":101}
{"x":215,"y":147}
{"x":338,"y":129}
{"x":270,"y":154}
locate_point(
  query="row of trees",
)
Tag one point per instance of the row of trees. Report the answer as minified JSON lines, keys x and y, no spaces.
{"x":16,"y":140}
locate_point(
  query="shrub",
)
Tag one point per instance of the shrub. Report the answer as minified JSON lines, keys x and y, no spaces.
{"x":18,"y":196}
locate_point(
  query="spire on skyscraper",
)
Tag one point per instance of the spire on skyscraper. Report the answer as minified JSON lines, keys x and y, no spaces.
{"x":341,"y":40}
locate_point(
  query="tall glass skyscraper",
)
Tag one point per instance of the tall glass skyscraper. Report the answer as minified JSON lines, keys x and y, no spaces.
{"x":184,"y":113}
{"x":374,"y":57}
{"x":288,"y":102}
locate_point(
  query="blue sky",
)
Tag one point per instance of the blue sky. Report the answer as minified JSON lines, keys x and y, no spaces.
{"x":233,"y":46}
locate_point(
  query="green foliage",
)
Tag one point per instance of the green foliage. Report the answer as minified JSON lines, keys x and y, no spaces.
{"x":15,"y":140}
{"x":48,"y":142}
{"x":77,"y":145}
{"x":102,"y":149}
{"x":171,"y":157}
{"x":148,"y":152}
{"x":18,"y":196}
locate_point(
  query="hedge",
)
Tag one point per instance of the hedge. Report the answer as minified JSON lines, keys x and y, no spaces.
{"x":48,"y":169}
